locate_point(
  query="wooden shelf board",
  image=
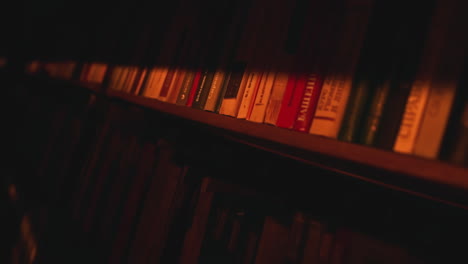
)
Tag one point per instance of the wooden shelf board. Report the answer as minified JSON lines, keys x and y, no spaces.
{"x":429,"y":170}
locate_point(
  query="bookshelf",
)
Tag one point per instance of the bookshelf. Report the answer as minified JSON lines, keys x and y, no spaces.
{"x":394,"y":170}
{"x":97,"y":142}
{"x":406,"y":173}
{"x":197,"y":127}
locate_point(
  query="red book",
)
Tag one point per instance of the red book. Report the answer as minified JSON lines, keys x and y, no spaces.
{"x":306,"y":59}
{"x":291,"y":100}
{"x":308,"y":102}
{"x":193,"y":90}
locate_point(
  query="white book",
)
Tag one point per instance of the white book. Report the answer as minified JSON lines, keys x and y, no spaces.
{"x":158,"y":79}
{"x":434,"y":122}
{"x":149,"y":89}
{"x":250,"y":91}
{"x":116,"y":72}
{"x":123,"y":76}
{"x":141,"y":81}
{"x":424,"y":91}
{"x":262,"y":98}
{"x":276,"y":97}
{"x":412,"y":117}
{"x":337,"y":85}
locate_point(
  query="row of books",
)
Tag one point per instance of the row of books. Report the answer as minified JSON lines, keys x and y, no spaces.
{"x":342,"y":69}
{"x":241,"y":228}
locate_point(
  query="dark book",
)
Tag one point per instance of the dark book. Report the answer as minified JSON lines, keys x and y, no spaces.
{"x":215,"y":34}
{"x":313,"y":232}
{"x":364,"y":249}
{"x":158,"y":206}
{"x":382,"y":76}
{"x":297,"y":239}
{"x":455,"y":143}
{"x":203,"y":89}
{"x":273,"y":244}
{"x":230,"y":44}
{"x":389,"y":97}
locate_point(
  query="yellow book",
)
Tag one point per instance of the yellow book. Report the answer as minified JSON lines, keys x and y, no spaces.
{"x":426,"y":90}
{"x":262,"y":97}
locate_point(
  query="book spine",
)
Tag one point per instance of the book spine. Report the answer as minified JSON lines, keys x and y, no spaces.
{"x":355,"y":109}
{"x":423,"y":88}
{"x":123,"y":76}
{"x":136,"y":80}
{"x":159,"y":77}
{"x":84,"y":72}
{"x":318,"y":31}
{"x":230,"y":105}
{"x":325,"y":39}
{"x":131,"y":81}
{"x":226,"y":80}
{"x":158,"y":84}
{"x":215,"y":90}
{"x":96,"y":72}
{"x":285,"y":58}
{"x":116,"y":71}
{"x":193,"y":89}
{"x":262,"y":98}
{"x":201,"y":94}
{"x":375,"y":114}
{"x":139,"y":74}
{"x":124,"y":81}
{"x":308,"y":103}
{"x":272,"y":243}
{"x":141,"y":81}
{"x":271,"y":55}
{"x":164,"y":92}
{"x":444,"y":85}
{"x":342,"y":240}
{"x":245,"y":55}
{"x":253,"y":83}
{"x":314,"y":230}
{"x":184,"y":92}
{"x":406,"y":57}
{"x":412,"y":117}
{"x":176,"y":85}
{"x":172,"y":86}
{"x":372,"y":64}
{"x":276,"y":97}
{"x":291,"y":100}
{"x":326,"y":246}
{"x":337,"y":83}
{"x":259,"y":62}
{"x":145,"y":82}
{"x":434,"y":120}
{"x":232,"y":48}
{"x":148,"y":87}
{"x":296,"y":239}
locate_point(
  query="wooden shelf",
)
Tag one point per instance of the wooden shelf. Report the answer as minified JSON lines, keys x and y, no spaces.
{"x":432,"y":179}
{"x":428,"y":170}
